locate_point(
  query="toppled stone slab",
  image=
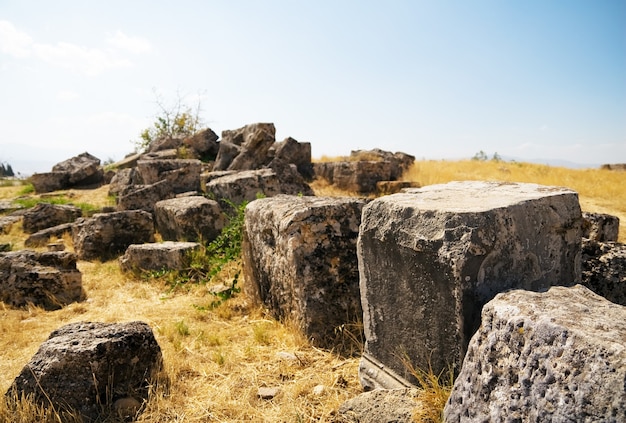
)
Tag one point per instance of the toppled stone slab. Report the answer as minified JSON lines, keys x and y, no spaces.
{"x":298,"y":153}
{"x":91,"y":368}
{"x":122,"y":179}
{"x":400,"y":162}
{"x":144,"y":197}
{"x":249,"y":184}
{"x":190,"y":218}
{"x":49,"y":280}
{"x":381,"y":405}
{"x":555,"y":356}
{"x":600,"y":227}
{"x":430,"y":258}
{"x":106,"y":235}
{"x":166,"y":255}
{"x":245,"y":148}
{"x":45,"y":215}
{"x":394,"y":187}
{"x":49,"y":181}
{"x":299,"y":259}
{"x":354,"y":176}
{"x":604,"y":269}
{"x":42,"y":237}
{"x":182,"y":174}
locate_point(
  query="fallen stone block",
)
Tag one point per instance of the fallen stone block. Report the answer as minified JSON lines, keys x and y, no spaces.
{"x":166,"y":255}
{"x":555,"y":356}
{"x":190,"y":218}
{"x":604,"y":269}
{"x":430,"y":258}
{"x":299,"y":259}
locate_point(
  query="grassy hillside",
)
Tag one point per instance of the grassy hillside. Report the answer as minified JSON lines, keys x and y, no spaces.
{"x":216,"y":358}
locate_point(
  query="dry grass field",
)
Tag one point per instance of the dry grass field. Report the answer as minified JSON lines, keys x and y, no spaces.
{"x":216,"y":359}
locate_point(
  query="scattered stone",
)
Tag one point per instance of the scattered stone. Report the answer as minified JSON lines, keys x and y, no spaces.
{"x":393,"y":187}
{"x":299,"y":260}
{"x":267,"y":393}
{"x":106,"y":235}
{"x":123,"y":179}
{"x":615,"y":166}
{"x":430,"y":258}
{"x":183,"y":174}
{"x":49,"y":280}
{"x":166,"y":255}
{"x":6,"y":222}
{"x":56,"y":246}
{"x":49,"y":181}
{"x":600,"y":227}
{"x":204,"y":144}
{"x":604,"y":269}
{"x":297,"y":153}
{"x":192,"y":218}
{"x":245,"y":148}
{"x":93,"y":368}
{"x":400,"y":162}
{"x":42,"y":237}
{"x":555,"y":356}
{"x":318,"y":390}
{"x":381,"y":406}
{"x":284,"y":355}
{"x":356,"y":176}
{"x":45,"y":215}
{"x":143,"y":197}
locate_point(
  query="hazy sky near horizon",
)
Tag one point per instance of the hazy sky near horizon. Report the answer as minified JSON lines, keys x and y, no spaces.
{"x":442,"y":79}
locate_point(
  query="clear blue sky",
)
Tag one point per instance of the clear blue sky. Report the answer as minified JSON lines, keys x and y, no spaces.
{"x":530,"y":79}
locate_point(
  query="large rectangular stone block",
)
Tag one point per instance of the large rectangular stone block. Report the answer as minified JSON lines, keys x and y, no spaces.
{"x":299,"y":258}
{"x":430,"y":258}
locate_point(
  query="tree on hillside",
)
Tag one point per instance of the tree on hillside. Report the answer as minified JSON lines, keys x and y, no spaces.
{"x":6,"y":170}
{"x":176,"y":120}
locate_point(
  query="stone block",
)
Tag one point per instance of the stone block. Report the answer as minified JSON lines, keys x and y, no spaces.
{"x":600,"y":227}
{"x":430,"y":258}
{"x":555,"y":356}
{"x":191,"y":218}
{"x":299,"y":258}
{"x":166,"y":255}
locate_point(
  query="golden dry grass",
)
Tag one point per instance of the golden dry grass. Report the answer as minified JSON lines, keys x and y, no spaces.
{"x":216,"y":359}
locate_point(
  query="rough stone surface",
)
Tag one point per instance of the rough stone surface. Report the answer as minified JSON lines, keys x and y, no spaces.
{"x":356,"y":176}
{"x":49,"y":181}
{"x":49,"y":280}
{"x":183,"y":174}
{"x":88,"y":367}
{"x":106,"y":235}
{"x":299,"y":259}
{"x":164,"y":143}
{"x":298,"y":153}
{"x":429,"y":259}
{"x":45,"y":215}
{"x":381,"y":406}
{"x":166,"y":255}
{"x":144,"y":197}
{"x":245,"y":148}
{"x":249,"y":184}
{"x":81,"y":170}
{"x":191,"y":218}
{"x":399,"y":162}
{"x":555,"y":356}
{"x":6,"y":222}
{"x":204,"y":144}
{"x":600,"y":227}
{"x":394,"y":187}
{"x":604,"y":269}
{"x":614,"y":166}
{"x":123,"y":178}
{"x":43,"y":236}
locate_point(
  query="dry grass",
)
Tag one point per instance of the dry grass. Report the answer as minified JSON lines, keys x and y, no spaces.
{"x":217,"y":359}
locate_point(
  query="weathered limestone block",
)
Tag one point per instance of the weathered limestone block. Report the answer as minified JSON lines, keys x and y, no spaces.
{"x":144,"y":197}
{"x":166,"y":255}
{"x":6,"y":222}
{"x":430,"y":258}
{"x":49,"y":181}
{"x":400,"y":162}
{"x":42,"y":237}
{"x":299,"y":258}
{"x":604,"y":269}
{"x":49,"y":280}
{"x":357,"y":176}
{"x":298,"y":153}
{"x":191,"y":218}
{"x":394,"y":187}
{"x":82,"y":170}
{"x":183,"y":174}
{"x":247,"y":185}
{"x":555,"y":356}
{"x":106,"y":235}
{"x":90,"y":367}
{"x":45,"y":215}
{"x":245,"y":148}
{"x":600,"y":227}
{"x":123,"y":179}
{"x":205,"y":144}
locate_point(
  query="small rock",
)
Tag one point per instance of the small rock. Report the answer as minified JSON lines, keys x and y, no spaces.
{"x":284,"y":355}
{"x":267,"y":393}
{"x":319,"y":390}
{"x":126,"y":407}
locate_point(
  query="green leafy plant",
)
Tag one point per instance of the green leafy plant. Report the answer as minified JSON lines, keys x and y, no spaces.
{"x":177,"y":120}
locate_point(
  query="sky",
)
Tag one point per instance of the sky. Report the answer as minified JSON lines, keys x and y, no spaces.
{"x":445,"y":79}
